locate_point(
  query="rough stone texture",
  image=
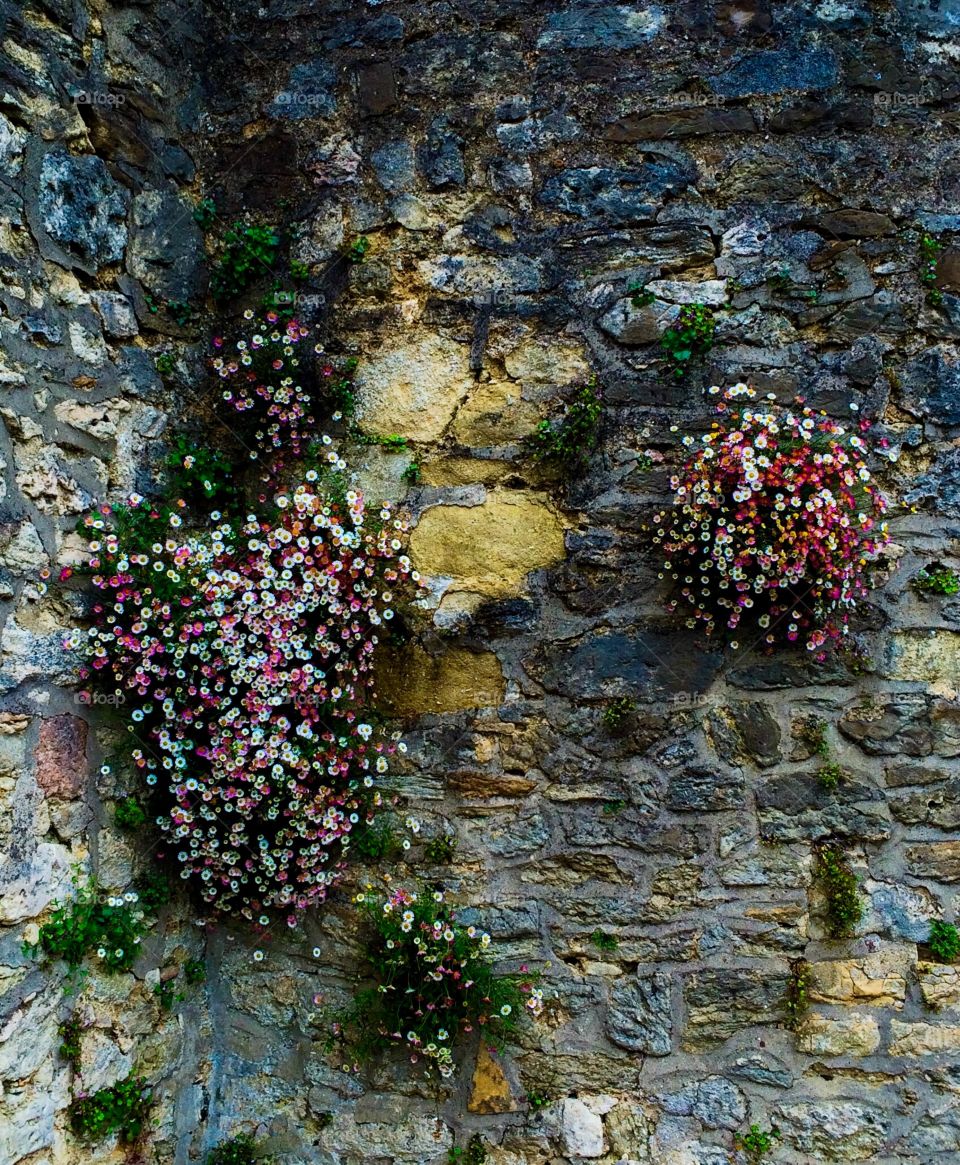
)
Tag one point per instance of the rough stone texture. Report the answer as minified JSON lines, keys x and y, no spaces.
{"x":520,"y":171}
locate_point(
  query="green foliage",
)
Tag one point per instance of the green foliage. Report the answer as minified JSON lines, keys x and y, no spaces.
{"x":612,"y":808}
{"x":165,"y":362}
{"x":937,"y":579}
{"x":618,"y":712}
{"x":829,"y":775}
{"x":387,"y":441}
{"x":165,"y":994}
{"x":604,"y":942}
{"x":691,"y":338}
{"x":844,"y":907}
{"x":195,"y":971}
{"x":797,"y":1000}
{"x":358,"y":249}
{"x":475,"y":1152}
{"x":539,"y":1099}
{"x":431,"y":980}
{"x":570,"y":439}
{"x":93,"y":921}
{"x":180,"y":311}
{"x":205,"y":213}
{"x":944,"y":941}
{"x":375,"y":843}
{"x":411,"y":475}
{"x":70,"y":1032}
{"x":324,"y":1119}
{"x":239,"y":1150}
{"x":640,"y":297}
{"x":439,"y":850}
{"x":153,"y":890}
{"x":249,"y":253}
{"x":130,"y":815}
{"x":930,"y":248}
{"x":755,"y":1144}
{"x":298,"y":271}
{"x":121,"y":1109}
{"x":200,"y":474}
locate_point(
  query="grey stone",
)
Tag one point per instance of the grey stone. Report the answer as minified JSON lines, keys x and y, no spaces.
{"x":745,"y":731}
{"x":714,"y":1101}
{"x":834,"y":1130}
{"x":166,"y":246}
{"x":796,"y":807}
{"x":903,"y":724}
{"x":441,"y":156}
{"x":930,"y":385}
{"x":799,"y":67}
{"x":722,"y":1002}
{"x":939,"y":485}
{"x":82,"y":209}
{"x":617,"y":195}
{"x":615,"y":26}
{"x":308,"y":92}
{"x":639,"y":1014}
{"x":761,"y":1068}
{"x":704,"y":790}
{"x":116,"y":312}
{"x":394,"y":164}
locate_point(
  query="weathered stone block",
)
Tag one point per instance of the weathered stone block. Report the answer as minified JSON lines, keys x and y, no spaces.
{"x":639,"y":1014}
{"x":721,"y":1002}
{"x":848,"y":1035}
{"x":879,"y":979}
{"x":923,"y":1039}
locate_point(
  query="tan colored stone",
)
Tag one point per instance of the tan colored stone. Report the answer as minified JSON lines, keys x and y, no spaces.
{"x":412,"y":682}
{"x":490,"y":1091}
{"x":547,"y":362}
{"x":939,"y":860}
{"x":848,"y":1035}
{"x":473,"y":784}
{"x":879,"y":979}
{"x":488,"y":549}
{"x":932,"y":657}
{"x":61,"y":756}
{"x":413,"y":387}
{"x":923,"y":1039}
{"x":939,"y":985}
{"x":494,"y":414}
{"x":446,"y":471}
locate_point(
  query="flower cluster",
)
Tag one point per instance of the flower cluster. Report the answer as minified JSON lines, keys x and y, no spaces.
{"x":434,"y":981}
{"x":777,"y":519}
{"x":244,"y":654}
{"x":262,"y":374}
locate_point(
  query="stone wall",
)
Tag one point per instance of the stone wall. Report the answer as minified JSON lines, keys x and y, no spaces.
{"x":516,"y":168}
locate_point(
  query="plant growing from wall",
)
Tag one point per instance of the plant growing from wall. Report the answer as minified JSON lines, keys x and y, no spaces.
{"x":242,"y":1149}
{"x":776,"y":523}
{"x":937,"y":579}
{"x":690,"y":339}
{"x":567,"y":441}
{"x":432,"y":981}
{"x":70,"y":1033}
{"x":93,"y":922}
{"x":603,"y":941}
{"x":617,"y":714}
{"x":930,"y":248}
{"x":473,"y":1153}
{"x":249,"y":252}
{"x":757,"y":1143}
{"x":120,"y":1109}
{"x":944,"y":941}
{"x":242,"y":645}
{"x":843,"y":904}
{"x":797,"y":1000}
{"x":130,"y":815}
{"x":440,"y":850}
